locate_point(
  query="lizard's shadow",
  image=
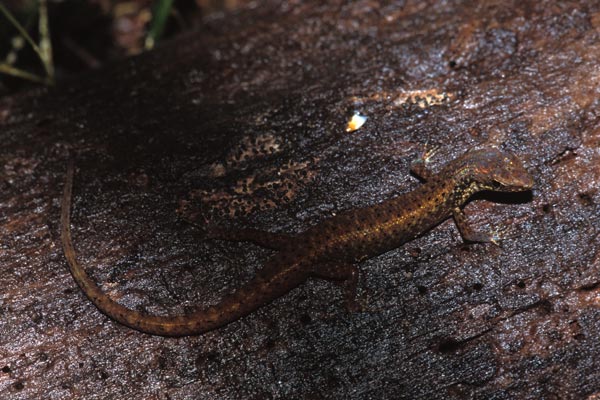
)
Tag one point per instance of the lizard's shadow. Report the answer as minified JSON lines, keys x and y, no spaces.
{"x":503,"y":197}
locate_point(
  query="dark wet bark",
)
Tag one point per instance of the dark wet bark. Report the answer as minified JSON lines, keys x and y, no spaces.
{"x":243,"y":123}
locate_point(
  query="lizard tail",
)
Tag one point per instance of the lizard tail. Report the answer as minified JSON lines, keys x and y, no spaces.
{"x":257,"y":292}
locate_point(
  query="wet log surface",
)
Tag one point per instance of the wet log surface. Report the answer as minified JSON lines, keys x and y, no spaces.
{"x":243,"y":123}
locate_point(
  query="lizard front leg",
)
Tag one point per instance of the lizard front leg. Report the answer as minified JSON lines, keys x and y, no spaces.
{"x":468,"y":233}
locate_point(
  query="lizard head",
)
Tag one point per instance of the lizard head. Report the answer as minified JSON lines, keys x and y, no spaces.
{"x":497,"y":170}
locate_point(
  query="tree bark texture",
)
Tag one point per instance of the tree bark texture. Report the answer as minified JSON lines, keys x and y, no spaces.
{"x":243,"y":123}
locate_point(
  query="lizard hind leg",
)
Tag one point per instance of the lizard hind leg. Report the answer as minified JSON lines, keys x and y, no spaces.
{"x":269,"y":240}
{"x":346,"y":275}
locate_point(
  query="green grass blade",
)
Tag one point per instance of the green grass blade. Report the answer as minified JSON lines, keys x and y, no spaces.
{"x":45,"y":42}
{"x":20,"y":28}
{"x":160,"y":13}
{"x":10,"y":70}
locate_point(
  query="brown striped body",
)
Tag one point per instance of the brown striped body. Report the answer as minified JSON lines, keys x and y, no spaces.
{"x":330,"y":249}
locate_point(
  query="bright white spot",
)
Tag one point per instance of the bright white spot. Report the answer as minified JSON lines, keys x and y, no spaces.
{"x":355,"y":122}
